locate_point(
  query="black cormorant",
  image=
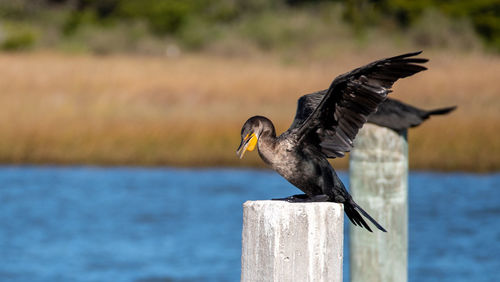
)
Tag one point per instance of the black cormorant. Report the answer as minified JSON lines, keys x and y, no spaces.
{"x":391,"y":113}
{"x":326,"y":129}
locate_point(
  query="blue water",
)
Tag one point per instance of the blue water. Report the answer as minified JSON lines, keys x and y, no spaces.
{"x":163,"y":224}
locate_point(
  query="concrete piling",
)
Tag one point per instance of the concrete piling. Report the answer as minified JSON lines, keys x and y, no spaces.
{"x":379,"y":184}
{"x":292,"y":241}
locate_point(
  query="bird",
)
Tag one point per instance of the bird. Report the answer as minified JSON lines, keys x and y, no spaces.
{"x":326,"y":128}
{"x":392,"y":113}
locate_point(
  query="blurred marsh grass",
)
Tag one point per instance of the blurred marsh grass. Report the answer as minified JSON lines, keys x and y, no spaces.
{"x":188,"y":111}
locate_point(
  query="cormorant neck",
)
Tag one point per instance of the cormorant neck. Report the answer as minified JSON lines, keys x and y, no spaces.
{"x":266,"y":128}
{"x":267,"y":140}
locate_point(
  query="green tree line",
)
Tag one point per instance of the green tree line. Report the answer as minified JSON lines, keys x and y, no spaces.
{"x":173,"y":17}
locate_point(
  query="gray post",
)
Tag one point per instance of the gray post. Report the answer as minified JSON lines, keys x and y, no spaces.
{"x":379,"y":184}
{"x":292,"y":241}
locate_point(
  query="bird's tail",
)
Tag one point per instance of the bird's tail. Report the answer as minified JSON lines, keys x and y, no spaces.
{"x":353,"y":210}
{"x":440,"y":111}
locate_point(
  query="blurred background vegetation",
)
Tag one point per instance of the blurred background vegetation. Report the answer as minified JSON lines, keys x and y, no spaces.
{"x":152,"y":82}
{"x":145,"y":26}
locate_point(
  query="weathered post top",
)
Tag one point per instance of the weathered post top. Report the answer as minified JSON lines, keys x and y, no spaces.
{"x":292,"y":241}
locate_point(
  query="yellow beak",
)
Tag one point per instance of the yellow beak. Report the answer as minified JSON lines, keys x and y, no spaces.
{"x":247,"y":144}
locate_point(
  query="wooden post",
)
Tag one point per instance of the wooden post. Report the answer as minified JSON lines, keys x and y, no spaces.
{"x":379,"y":184}
{"x":292,"y":241}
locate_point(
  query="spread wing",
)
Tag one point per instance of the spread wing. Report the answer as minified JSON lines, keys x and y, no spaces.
{"x":305,"y":106}
{"x":392,"y":113}
{"x":332,"y":123}
{"x":398,"y":116}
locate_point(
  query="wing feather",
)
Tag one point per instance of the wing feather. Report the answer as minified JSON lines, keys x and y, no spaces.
{"x":330,"y":119}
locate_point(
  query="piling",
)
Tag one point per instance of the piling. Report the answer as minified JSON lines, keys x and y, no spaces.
{"x":379,"y":184}
{"x":292,"y":241}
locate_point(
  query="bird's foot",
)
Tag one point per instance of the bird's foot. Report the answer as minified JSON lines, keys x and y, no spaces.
{"x":294,"y":198}
{"x":303,"y":198}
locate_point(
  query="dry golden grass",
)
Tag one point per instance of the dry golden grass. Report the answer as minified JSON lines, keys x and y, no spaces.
{"x":188,"y":111}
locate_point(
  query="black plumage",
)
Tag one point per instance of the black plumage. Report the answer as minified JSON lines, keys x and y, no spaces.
{"x":398,"y":116}
{"x":392,"y":113}
{"x":325,"y":127}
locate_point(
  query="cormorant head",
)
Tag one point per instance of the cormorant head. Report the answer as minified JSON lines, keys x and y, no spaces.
{"x":250,"y":133}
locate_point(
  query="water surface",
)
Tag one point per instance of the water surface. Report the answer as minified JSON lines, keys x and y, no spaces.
{"x":164,"y":224}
